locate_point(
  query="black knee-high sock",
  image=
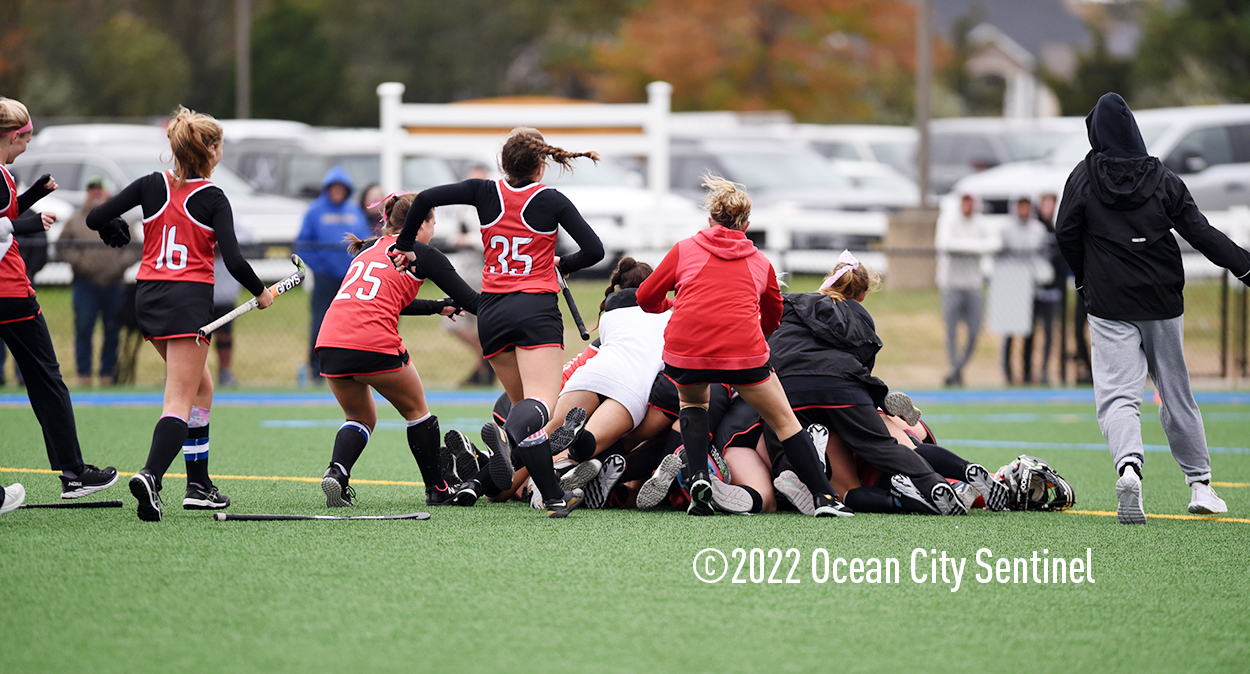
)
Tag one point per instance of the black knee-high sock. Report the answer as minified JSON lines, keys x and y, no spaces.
{"x":871,"y":500}
{"x":536,"y":458}
{"x":349,"y":444}
{"x":802,"y":455}
{"x":583,"y":448}
{"x":167,"y":439}
{"x":694,"y":434}
{"x":423,"y":440}
{"x":487,"y":483}
{"x":195,"y":452}
{"x":944,"y":461}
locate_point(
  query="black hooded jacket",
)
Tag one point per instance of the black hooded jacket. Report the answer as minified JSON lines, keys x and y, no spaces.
{"x":820,"y":337}
{"x":1115,"y":224}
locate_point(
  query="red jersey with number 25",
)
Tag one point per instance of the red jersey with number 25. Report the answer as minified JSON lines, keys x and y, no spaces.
{"x":13,"y":281}
{"x":175,"y":246}
{"x":365,"y":314}
{"x":518,"y":259}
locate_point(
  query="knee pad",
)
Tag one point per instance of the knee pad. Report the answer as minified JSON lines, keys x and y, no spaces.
{"x":526,"y":418}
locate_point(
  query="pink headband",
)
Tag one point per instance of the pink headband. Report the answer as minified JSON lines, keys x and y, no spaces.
{"x":850,"y":262}
{"x":29,"y":126}
{"x":376,"y":204}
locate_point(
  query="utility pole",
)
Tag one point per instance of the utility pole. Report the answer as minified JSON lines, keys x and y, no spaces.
{"x":924,"y":86}
{"x":243,"y":58}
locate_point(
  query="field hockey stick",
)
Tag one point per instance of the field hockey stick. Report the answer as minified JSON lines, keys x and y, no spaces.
{"x":277,"y":289}
{"x":222,"y":517}
{"x":568,"y":297}
{"x":74,"y":504}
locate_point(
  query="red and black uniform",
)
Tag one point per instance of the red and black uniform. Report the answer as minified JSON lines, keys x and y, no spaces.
{"x":180,"y":226}
{"x":519,"y":287}
{"x":360,"y":334}
{"x":25,"y":332}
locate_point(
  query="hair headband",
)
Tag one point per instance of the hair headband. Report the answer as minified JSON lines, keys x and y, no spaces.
{"x":851,"y":264}
{"x":29,"y":127}
{"x":382,"y":212}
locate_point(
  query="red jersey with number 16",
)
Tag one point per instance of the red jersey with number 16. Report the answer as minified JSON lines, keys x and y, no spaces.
{"x":518,"y":259}
{"x":13,"y":281}
{"x":175,"y":246}
{"x":365,"y":314}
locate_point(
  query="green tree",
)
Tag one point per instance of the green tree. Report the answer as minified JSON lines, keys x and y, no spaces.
{"x":1097,"y":72}
{"x":137,"y":69}
{"x":296,"y":74}
{"x":1201,"y":49}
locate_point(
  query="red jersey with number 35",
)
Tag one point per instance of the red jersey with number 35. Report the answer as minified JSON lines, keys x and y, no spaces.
{"x":13,"y":281}
{"x":175,"y":246}
{"x":365,"y":314}
{"x":518,"y":259}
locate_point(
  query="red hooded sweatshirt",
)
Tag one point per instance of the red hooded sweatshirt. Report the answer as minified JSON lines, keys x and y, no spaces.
{"x":727,"y":301}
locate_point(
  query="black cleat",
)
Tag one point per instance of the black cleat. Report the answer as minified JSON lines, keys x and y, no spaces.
{"x":828,"y":505}
{"x":89,"y":481}
{"x":994,"y":492}
{"x":700,"y":489}
{"x":338,"y":493}
{"x":943,"y":497}
{"x":567,"y":433}
{"x":440,"y":495}
{"x":598,"y":489}
{"x":500,"y":462}
{"x":462,"y":454}
{"x":199,"y":498}
{"x":145,"y":488}
{"x":909,"y":497}
{"x":468,"y":493}
{"x":561,"y":507}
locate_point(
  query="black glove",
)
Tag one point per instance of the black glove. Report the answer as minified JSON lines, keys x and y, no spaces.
{"x":43,"y":180}
{"x":449,"y":302}
{"x":116,"y":233}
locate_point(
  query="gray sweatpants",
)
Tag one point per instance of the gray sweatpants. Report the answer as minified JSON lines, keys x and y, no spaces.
{"x":967,"y":307}
{"x":1123,"y":353}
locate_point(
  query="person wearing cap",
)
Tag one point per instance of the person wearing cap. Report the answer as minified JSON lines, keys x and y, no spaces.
{"x":99,"y":283}
{"x":330,"y":218}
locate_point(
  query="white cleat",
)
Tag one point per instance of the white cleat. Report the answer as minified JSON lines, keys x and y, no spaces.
{"x":790,"y":486}
{"x":1128,"y":491}
{"x":1205,"y":502}
{"x":14,"y":496}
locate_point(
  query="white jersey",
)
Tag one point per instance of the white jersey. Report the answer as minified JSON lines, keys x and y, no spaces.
{"x":629,"y":358}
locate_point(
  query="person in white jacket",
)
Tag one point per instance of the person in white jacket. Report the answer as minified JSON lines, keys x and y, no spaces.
{"x":963,"y":238}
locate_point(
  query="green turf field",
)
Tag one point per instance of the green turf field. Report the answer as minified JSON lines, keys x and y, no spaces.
{"x":499,"y":587}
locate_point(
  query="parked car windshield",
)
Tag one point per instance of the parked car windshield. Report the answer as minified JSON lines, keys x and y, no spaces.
{"x":1074,"y":149}
{"x":776,"y":170}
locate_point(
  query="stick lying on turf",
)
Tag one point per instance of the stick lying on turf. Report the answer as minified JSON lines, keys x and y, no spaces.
{"x":222,"y":517}
{"x":74,"y":504}
{"x":277,"y":289}
{"x":577,"y":315}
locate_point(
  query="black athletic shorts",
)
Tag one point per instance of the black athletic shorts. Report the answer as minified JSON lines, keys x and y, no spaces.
{"x":510,"y":321}
{"x":341,"y":363}
{"x":173,"y":309}
{"x":741,"y":426}
{"x":748,"y":377}
{"x":220,"y":310}
{"x":664,"y":398}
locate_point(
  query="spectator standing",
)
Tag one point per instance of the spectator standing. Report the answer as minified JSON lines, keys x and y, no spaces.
{"x":371,"y":198}
{"x":1019,"y":268}
{"x":98,"y":288}
{"x":1048,"y":300}
{"x":330,"y":218}
{"x":964,"y":237}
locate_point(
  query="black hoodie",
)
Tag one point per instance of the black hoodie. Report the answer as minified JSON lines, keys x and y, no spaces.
{"x":1115,"y":224}
{"x":820,"y":337}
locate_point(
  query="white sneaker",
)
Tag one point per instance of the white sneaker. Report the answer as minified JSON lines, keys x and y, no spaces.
{"x":1205,"y":502}
{"x":581,"y":474}
{"x":1128,"y":491}
{"x":15,"y":495}
{"x":790,"y":486}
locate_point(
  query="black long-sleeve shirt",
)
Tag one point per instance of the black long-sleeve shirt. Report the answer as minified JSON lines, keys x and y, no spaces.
{"x":208,"y":206}
{"x":548,"y":210}
{"x":28,"y":221}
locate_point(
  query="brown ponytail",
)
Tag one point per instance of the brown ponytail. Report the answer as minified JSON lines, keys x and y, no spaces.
{"x":629,"y":273}
{"x":192,"y":137}
{"x":526,"y":150}
{"x":851,"y":285}
{"x":394,"y":209}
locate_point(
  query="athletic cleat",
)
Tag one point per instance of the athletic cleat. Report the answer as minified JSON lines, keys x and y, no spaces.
{"x":828,"y":505}
{"x":656,"y":487}
{"x":439,"y":495}
{"x":461,"y":457}
{"x":729,"y":498}
{"x":597,"y":490}
{"x":145,"y":488}
{"x":790,"y":486}
{"x":700,"y":490}
{"x":995,"y":492}
{"x":89,"y":481}
{"x":898,"y":404}
{"x":500,"y":462}
{"x":468,"y":493}
{"x":967,"y":494}
{"x":1205,"y":502}
{"x":561,"y":507}
{"x":197,"y":498}
{"x":945,"y":500}
{"x":909,"y":496}
{"x":12,"y":497}
{"x":581,"y":475}
{"x":820,"y":440}
{"x":338,"y":493}
{"x":1128,"y":491}
{"x":568,"y":432}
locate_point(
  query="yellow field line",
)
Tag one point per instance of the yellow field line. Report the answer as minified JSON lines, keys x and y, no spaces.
{"x":274,"y":478}
{"x":1204,"y":518}
{"x":1231,"y":485}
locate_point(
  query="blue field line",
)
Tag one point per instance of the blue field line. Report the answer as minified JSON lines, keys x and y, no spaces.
{"x":1087,"y":446}
{"x":459,"y":423}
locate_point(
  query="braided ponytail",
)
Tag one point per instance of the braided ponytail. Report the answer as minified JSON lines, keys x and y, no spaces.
{"x":526,"y":150}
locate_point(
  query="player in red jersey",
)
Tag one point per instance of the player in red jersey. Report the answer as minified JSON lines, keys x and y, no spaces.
{"x":360,"y":349}
{"x":22,"y":326}
{"x":519,"y":324}
{"x":183,"y":216}
{"x":727,"y":302}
